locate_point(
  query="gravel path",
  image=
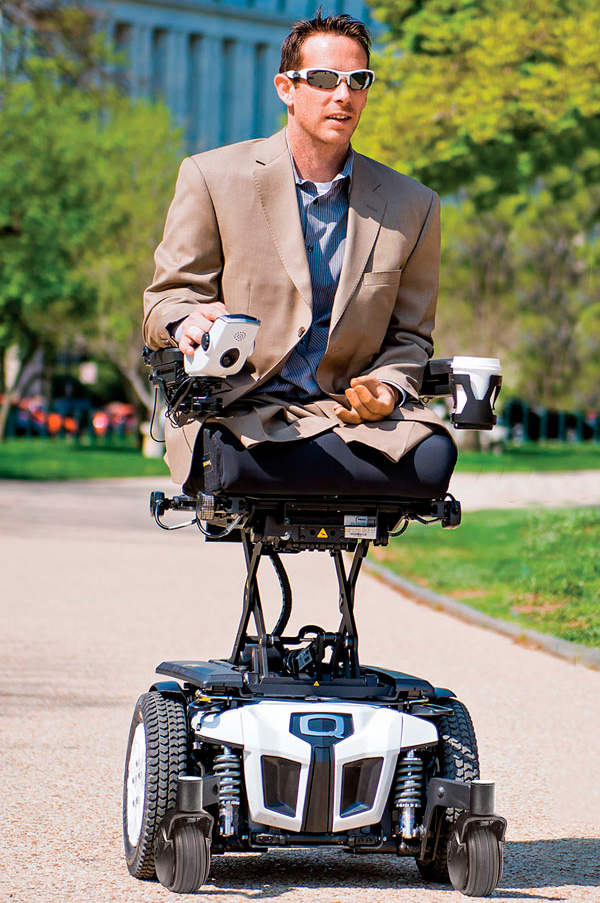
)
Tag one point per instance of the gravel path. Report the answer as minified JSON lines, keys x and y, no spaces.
{"x":94,"y":596}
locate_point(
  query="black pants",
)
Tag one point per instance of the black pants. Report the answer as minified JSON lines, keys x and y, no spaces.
{"x":322,"y":465}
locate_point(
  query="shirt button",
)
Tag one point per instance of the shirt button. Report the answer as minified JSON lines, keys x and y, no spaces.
{"x":309,"y":247}
{"x":301,"y":331}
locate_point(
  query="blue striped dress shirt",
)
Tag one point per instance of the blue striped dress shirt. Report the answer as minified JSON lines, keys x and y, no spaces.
{"x":324,"y":217}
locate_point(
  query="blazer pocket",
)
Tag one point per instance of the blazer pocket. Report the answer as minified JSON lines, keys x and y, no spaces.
{"x":383,"y":277}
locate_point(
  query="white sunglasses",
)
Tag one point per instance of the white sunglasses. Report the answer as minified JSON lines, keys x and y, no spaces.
{"x":327,"y":79}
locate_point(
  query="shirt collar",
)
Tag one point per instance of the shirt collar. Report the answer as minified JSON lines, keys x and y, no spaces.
{"x":346,"y":172}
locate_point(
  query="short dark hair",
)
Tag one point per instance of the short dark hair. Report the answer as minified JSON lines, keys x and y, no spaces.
{"x":345,"y":25}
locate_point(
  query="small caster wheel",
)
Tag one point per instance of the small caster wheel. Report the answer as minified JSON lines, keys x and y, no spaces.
{"x":475,"y":866}
{"x":183,"y":861}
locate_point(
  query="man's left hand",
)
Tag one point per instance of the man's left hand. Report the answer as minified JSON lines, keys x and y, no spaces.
{"x":369,"y":398}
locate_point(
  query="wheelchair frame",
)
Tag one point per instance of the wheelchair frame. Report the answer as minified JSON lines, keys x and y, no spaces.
{"x":268,"y":527}
{"x":307,"y":688}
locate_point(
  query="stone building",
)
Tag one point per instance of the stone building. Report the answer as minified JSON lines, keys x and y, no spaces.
{"x":213,"y":61}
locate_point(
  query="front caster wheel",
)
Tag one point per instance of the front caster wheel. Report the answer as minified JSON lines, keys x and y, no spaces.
{"x":475,"y":866}
{"x":183,"y":862}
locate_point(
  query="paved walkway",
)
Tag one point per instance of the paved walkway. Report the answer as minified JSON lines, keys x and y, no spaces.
{"x":94,"y":596}
{"x":518,"y":490}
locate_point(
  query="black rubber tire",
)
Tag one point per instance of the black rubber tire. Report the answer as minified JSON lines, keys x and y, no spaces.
{"x":458,"y":759}
{"x":188,"y":863}
{"x":476,"y":869}
{"x":163,"y":723}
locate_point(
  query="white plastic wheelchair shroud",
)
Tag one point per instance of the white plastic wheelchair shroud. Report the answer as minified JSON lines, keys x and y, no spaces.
{"x":263,"y":729}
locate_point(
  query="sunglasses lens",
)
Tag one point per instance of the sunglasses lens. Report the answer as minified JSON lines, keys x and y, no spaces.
{"x":360,"y":80}
{"x":329,"y":78}
{"x":321,"y":78}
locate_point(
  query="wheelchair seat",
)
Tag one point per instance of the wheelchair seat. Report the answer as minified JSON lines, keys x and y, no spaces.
{"x":323,"y":465}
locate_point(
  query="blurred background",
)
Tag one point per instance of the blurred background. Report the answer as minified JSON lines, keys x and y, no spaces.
{"x":494,"y":104}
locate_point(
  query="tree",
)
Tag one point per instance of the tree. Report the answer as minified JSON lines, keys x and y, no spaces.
{"x":557,"y":253}
{"x":62,"y":30}
{"x":520,"y":282}
{"x":485,"y":94}
{"x":131,"y":186}
{"x":85,"y":177}
{"x":497,"y":107}
{"x":477,"y":305}
{"x":43,"y":217}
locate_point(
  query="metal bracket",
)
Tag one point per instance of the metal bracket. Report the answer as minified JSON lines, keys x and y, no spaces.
{"x":465,"y":823}
{"x":476,"y":798}
{"x":173,"y":817}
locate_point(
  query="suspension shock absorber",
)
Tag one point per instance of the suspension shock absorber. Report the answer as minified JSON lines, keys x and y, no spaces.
{"x":229,"y":772}
{"x":408,"y":792}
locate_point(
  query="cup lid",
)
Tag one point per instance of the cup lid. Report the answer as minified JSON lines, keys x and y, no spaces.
{"x":462,"y":362}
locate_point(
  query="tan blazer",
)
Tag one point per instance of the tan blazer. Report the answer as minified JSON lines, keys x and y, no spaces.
{"x":233,"y":233}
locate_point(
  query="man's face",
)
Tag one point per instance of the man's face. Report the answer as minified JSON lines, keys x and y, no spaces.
{"x":328,"y":116}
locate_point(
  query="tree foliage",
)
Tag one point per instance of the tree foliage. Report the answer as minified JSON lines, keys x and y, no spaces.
{"x":85,"y":178}
{"x":136,"y":157}
{"x":65,"y":31}
{"x":487,"y":94}
{"x":497,"y":107}
{"x":520,"y":282}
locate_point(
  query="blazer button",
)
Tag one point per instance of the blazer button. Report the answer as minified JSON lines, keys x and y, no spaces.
{"x":301,"y":331}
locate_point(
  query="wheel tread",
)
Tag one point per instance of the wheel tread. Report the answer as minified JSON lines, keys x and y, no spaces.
{"x":166,"y":758}
{"x":458,"y":760}
{"x":485,"y":863}
{"x":192,"y":860}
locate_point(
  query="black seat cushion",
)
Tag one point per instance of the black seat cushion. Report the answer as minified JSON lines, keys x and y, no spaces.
{"x":321,"y":465}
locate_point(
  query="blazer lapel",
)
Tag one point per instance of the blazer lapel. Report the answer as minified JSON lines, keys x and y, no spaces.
{"x":274,"y":179}
{"x":365,"y":214}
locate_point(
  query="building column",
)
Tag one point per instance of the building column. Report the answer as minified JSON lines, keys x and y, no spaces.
{"x":194,"y":95}
{"x":245,"y":77}
{"x":262,"y":92}
{"x":274,"y":108}
{"x":212,"y":92}
{"x":141,"y":61}
{"x":177,"y":74}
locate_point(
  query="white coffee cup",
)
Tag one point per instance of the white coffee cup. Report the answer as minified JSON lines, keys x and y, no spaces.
{"x":479,"y":370}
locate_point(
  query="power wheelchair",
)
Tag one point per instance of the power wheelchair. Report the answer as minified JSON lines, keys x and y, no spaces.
{"x":291,"y":741}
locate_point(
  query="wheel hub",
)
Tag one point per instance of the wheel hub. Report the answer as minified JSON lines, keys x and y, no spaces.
{"x":136,"y":784}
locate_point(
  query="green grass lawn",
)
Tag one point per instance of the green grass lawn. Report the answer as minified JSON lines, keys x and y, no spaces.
{"x":529,"y":458}
{"x":61,"y":459}
{"x":539,"y":568}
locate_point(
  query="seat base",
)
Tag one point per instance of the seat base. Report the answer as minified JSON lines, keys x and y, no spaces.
{"x":321,"y":465}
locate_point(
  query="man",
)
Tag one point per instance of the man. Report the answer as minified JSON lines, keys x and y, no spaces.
{"x":337,"y":255}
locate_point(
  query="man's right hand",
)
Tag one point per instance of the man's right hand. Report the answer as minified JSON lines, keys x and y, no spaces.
{"x":197,"y":323}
